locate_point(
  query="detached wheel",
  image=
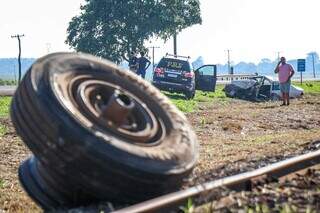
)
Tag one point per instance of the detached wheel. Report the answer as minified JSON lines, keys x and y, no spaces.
{"x":98,"y":133}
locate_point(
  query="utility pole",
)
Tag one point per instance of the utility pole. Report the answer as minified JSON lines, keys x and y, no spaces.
{"x":153,"y":47}
{"x":19,"y":56}
{"x":278,"y":54}
{"x":313,"y":67}
{"x":175,"y":44}
{"x":229,"y":63}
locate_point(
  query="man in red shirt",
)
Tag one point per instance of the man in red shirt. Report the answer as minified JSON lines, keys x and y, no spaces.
{"x":285,"y":72}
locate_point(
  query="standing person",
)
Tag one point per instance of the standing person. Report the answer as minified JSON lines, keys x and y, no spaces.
{"x":285,"y":72}
{"x":144,"y":63}
{"x":133,"y":62}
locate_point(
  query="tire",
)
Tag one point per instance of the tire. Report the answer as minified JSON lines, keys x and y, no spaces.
{"x":82,"y":157}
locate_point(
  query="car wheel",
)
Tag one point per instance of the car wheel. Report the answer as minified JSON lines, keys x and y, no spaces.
{"x":98,"y":133}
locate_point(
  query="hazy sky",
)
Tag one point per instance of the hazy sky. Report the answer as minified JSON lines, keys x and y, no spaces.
{"x":252,"y":29}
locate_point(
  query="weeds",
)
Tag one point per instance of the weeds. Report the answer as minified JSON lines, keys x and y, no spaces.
{"x":3,"y":130}
{"x":189,"y":207}
{"x":4,"y":106}
{"x":185,"y":105}
{"x":311,"y":87}
{"x":203,"y":121}
{"x":1,"y":183}
{"x":201,"y":97}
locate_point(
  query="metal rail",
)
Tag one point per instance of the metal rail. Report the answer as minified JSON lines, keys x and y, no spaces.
{"x":244,"y":181}
{"x":230,"y":77}
{"x":236,"y":75}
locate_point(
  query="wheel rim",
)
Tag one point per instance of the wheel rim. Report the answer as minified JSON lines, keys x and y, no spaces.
{"x":89,"y":96}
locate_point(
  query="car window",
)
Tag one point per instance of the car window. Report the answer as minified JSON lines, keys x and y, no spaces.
{"x":175,"y":64}
{"x":206,"y":70}
{"x":275,"y":86}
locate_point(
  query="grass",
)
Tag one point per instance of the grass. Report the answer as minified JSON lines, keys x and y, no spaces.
{"x":3,"y":130}
{"x":189,"y":207}
{"x":1,"y":183}
{"x":4,"y":106}
{"x":310,"y":87}
{"x":7,"y":82}
{"x":201,"y":97}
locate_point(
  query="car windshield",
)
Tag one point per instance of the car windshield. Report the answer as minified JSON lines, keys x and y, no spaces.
{"x":175,"y":64}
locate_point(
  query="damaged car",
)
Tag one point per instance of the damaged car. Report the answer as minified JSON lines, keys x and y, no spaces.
{"x":259,"y":88}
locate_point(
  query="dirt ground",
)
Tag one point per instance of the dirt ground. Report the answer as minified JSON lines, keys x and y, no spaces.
{"x":12,"y":152}
{"x":236,"y":130}
{"x":228,"y":131}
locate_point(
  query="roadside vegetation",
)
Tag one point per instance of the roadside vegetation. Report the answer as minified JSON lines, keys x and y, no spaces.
{"x":3,"y":130}
{"x":4,"y":106}
{"x":7,"y":82}
{"x":201,"y":97}
{"x":1,"y":183}
{"x":310,"y":87}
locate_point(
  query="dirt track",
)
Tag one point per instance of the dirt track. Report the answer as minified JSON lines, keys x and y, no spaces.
{"x":227,"y":130}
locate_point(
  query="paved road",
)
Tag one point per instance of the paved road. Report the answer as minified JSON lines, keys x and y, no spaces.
{"x":7,"y":90}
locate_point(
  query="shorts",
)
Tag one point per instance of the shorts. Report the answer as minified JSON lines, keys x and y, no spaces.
{"x":285,"y":87}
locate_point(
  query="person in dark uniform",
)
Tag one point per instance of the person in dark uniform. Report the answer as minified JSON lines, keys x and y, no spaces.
{"x":144,"y":63}
{"x":133,"y":62}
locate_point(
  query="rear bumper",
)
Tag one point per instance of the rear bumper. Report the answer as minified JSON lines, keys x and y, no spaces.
{"x":173,"y":87}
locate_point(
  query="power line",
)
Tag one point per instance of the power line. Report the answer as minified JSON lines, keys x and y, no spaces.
{"x":19,"y":56}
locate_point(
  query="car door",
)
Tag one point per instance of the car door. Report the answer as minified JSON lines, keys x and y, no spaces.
{"x":206,"y":78}
{"x":265,"y":88}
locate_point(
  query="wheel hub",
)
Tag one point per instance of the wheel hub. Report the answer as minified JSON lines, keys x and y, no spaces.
{"x":117,"y":110}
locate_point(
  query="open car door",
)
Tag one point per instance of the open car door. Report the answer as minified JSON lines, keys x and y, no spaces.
{"x":206,"y":78}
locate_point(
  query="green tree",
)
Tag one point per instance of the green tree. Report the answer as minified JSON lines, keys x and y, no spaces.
{"x":113,"y":28}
